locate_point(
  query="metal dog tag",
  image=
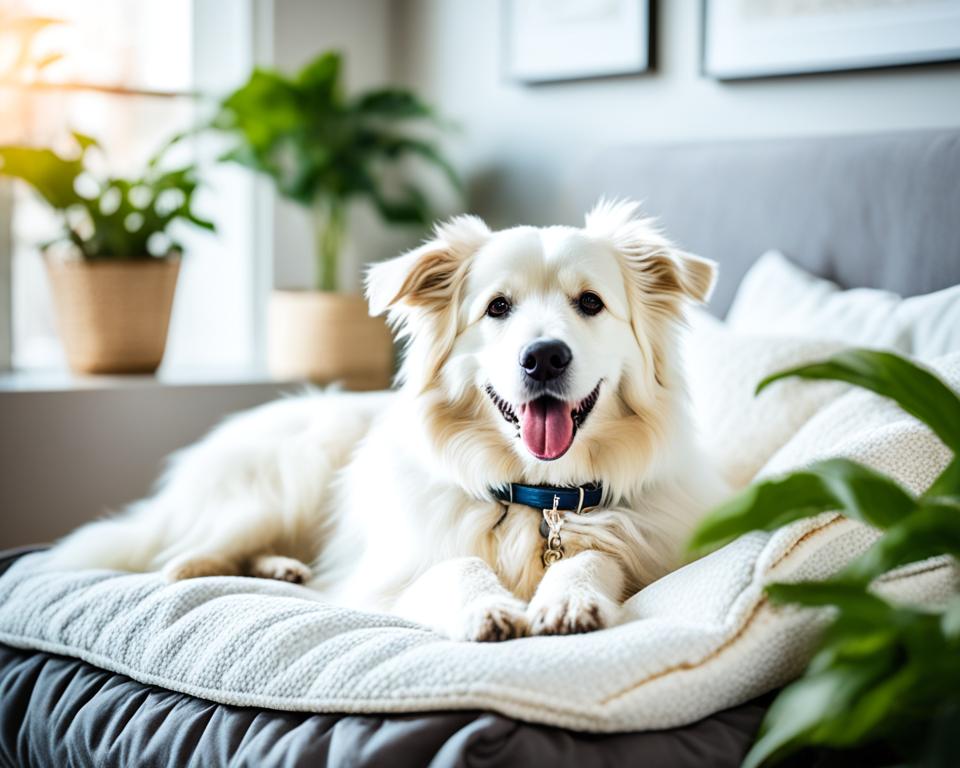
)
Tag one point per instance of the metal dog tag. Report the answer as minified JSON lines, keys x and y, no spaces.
{"x":553,"y":549}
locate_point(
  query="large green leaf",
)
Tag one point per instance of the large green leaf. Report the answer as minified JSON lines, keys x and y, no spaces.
{"x":766,"y":505}
{"x":854,"y":636}
{"x":870,"y":710}
{"x":197,"y":221}
{"x":157,"y":157}
{"x":264,"y":108}
{"x":806,"y":705}
{"x":394,"y":103}
{"x":833,"y":485}
{"x":932,"y":530}
{"x":948,"y":483}
{"x":914,"y":389}
{"x":887,"y":672}
{"x":398,"y":146}
{"x":84,"y":141}
{"x":865,"y":494}
{"x":852,"y":599}
{"x":320,"y":79}
{"x":51,"y":175}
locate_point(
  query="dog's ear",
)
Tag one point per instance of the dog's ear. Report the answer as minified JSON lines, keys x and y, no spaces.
{"x":654,"y":265}
{"x":427,"y":276}
{"x":420,"y":291}
{"x":659,"y":279}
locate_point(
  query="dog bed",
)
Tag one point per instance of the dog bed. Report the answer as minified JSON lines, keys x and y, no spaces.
{"x":104,"y":668}
{"x":62,"y":711}
{"x":696,"y":642}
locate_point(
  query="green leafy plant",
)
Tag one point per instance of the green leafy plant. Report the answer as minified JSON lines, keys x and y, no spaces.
{"x":103,"y":216}
{"x":886,"y":676}
{"x":322,"y":148}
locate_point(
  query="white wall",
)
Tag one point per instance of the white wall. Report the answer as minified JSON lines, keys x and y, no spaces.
{"x":519,"y":142}
{"x":70,"y":455}
{"x":360,"y":29}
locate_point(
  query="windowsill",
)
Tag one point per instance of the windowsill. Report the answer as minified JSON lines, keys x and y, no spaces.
{"x":64,"y":381}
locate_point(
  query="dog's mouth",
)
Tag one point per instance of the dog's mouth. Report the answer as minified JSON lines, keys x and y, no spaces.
{"x":547,"y":425}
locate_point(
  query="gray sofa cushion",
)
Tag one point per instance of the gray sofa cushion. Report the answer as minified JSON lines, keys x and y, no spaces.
{"x":881,"y":211}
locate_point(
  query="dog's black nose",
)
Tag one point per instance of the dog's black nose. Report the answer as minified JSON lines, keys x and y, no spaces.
{"x":545,"y":360}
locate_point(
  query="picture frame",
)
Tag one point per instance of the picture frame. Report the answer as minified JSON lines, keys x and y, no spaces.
{"x":747,"y":39}
{"x":562,"y":40}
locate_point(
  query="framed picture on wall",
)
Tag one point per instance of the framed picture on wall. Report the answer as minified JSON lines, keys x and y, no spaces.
{"x":767,"y":38}
{"x":551,"y":40}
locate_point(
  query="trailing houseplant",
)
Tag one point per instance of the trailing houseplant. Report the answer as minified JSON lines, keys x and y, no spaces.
{"x":886,"y":677}
{"x":324,"y":149}
{"x":114,"y":265}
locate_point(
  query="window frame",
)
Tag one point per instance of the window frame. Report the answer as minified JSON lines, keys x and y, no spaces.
{"x":253,"y":19}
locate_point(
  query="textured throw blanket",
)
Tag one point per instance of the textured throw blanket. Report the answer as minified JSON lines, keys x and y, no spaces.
{"x":699,"y":640}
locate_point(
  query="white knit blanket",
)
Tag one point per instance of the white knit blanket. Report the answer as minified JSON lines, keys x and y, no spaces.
{"x":699,"y":640}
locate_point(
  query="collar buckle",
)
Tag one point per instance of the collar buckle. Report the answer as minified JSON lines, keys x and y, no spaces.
{"x":580,"y":510}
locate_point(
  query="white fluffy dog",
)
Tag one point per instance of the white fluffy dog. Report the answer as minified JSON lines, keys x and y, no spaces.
{"x":540,"y":363}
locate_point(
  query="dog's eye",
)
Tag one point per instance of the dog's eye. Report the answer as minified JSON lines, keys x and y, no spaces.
{"x":499,"y":307}
{"x":589,"y":303}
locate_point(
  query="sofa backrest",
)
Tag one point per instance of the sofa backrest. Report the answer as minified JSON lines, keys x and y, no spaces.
{"x":880,"y":211}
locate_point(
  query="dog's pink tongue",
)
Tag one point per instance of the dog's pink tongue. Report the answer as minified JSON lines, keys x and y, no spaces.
{"x":546,"y":427}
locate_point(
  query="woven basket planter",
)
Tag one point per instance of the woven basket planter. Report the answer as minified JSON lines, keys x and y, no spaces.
{"x":326,"y":338}
{"x":113,"y":315}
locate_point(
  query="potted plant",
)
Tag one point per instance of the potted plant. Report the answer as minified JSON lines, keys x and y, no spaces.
{"x":884,"y":686}
{"x":113,"y":271}
{"x":324,"y":150}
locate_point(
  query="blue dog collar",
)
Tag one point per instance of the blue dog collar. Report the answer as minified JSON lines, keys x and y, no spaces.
{"x":577,"y":499}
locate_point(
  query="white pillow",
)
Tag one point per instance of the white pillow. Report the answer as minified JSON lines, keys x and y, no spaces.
{"x":777,"y":297}
{"x":741,"y":432}
{"x":873,"y":430}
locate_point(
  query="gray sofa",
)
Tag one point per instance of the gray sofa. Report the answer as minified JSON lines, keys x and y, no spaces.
{"x":879,"y":211}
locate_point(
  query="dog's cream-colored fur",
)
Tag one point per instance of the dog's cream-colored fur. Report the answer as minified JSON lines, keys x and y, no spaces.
{"x":387,"y":496}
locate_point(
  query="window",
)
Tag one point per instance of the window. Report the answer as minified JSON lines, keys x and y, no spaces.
{"x":133,"y":74}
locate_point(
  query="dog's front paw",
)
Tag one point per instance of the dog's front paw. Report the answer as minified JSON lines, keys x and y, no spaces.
{"x":280,"y":568}
{"x":492,"y":620}
{"x":571,"y":614}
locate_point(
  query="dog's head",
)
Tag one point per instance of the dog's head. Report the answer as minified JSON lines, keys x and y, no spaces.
{"x":543,"y":354}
